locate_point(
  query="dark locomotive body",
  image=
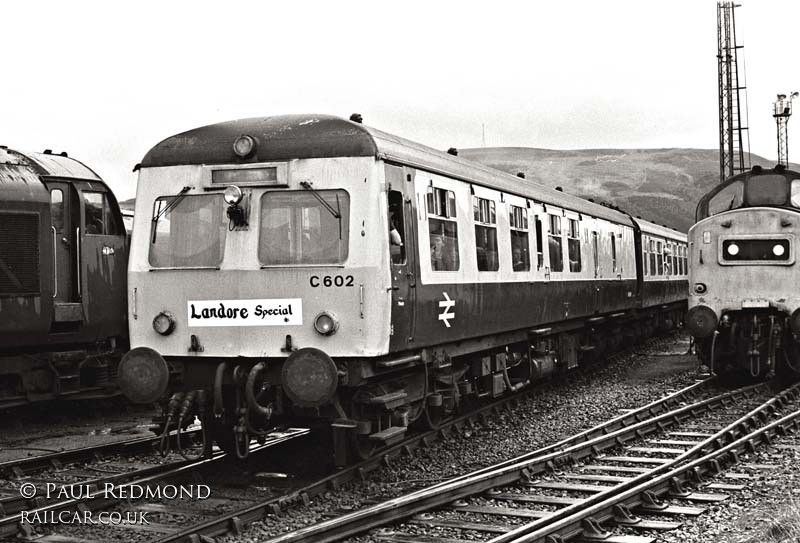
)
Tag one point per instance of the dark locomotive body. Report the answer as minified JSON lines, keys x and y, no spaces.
{"x":744,"y":302}
{"x":63,"y":261}
{"x":310,"y":270}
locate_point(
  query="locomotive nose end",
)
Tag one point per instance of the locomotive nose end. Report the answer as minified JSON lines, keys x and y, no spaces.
{"x":701,"y":321}
{"x":309,"y":377}
{"x":143,"y":375}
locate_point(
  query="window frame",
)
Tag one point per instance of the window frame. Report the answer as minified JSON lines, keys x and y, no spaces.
{"x":440,"y":204}
{"x":518,"y":222}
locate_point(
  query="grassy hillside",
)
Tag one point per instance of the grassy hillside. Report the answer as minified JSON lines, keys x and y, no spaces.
{"x":661,"y":185}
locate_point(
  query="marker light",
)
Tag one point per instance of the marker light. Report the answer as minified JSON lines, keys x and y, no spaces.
{"x":733,"y":249}
{"x":243,"y":146}
{"x":778,"y":249}
{"x":700,"y":288}
{"x":326,"y":324}
{"x":233,"y":195}
{"x":706,"y":237}
{"x":164,"y":323}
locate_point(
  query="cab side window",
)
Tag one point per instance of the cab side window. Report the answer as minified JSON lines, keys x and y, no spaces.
{"x":98,"y":218}
{"x":397,"y":234}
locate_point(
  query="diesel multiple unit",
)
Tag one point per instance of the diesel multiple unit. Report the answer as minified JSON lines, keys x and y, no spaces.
{"x":309,"y":270}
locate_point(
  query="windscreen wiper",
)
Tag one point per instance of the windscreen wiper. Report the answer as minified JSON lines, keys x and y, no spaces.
{"x":171,"y":205}
{"x":335,"y":212}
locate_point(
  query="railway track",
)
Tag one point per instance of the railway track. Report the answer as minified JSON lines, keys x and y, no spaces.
{"x":234,"y":521}
{"x":210,"y":523}
{"x":621,"y":478}
{"x":73,"y":489}
{"x":81,"y":455}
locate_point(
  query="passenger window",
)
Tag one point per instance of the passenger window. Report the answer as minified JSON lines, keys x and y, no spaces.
{"x":574,"y":245}
{"x":539,"y":244}
{"x":645,"y":258}
{"x":98,"y":219}
{"x":652,"y":257}
{"x":554,"y":244}
{"x":397,"y":234}
{"x":57,"y":209}
{"x":485,"y":234}
{"x":443,"y":229}
{"x":614,"y":252}
{"x":520,"y":249}
{"x":660,"y":258}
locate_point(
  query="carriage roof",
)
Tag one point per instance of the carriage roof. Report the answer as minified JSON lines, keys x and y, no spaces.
{"x":321,"y":136}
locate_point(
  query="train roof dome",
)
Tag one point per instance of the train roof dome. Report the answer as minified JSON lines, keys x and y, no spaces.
{"x":21,"y":171}
{"x":279,"y":138}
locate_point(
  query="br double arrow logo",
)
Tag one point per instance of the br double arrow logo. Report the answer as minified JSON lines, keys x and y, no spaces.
{"x":448,"y":310}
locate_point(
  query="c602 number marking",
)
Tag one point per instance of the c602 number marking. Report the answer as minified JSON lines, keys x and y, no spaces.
{"x":331,"y":281}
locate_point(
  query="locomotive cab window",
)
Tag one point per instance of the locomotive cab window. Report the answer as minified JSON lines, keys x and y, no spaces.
{"x":443,"y":229}
{"x":304,"y":227}
{"x":188,"y":231}
{"x":795,"y":193}
{"x":730,"y":197}
{"x":57,"y":209}
{"x":485,"y":234}
{"x":554,"y":244}
{"x":520,"y":248}
{"x":574,"y":245}
{"x":766,"y":190}
{"x":98,"y":218}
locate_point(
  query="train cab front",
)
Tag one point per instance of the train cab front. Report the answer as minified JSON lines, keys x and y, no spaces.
{"x":252,"y":283}
{"x":743,"y":311}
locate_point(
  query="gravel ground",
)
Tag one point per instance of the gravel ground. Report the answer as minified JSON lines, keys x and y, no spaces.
{"x":767,"y":510}
{"x":541,"y":418}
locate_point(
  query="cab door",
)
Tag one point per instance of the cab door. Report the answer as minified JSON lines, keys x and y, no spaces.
{"x":103,"y":256}
{"x":65,"y":230}
{"x":402,"y":255}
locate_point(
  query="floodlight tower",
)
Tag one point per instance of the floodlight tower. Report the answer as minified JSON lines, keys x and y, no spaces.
{"x":731,"y":140}
{"x":782,"y":110}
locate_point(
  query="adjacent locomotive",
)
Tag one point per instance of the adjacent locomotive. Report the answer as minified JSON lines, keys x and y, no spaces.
{"x":744,"y":303}
{"x":309,"y":270}
{"x":63,"y":262}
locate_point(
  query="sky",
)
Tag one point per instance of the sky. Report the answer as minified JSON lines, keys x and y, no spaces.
{"x":106,"y":81}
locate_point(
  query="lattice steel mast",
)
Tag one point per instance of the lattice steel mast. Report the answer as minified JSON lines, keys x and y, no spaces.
{"x":731,"y":141}
{"x":782,"y":110}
